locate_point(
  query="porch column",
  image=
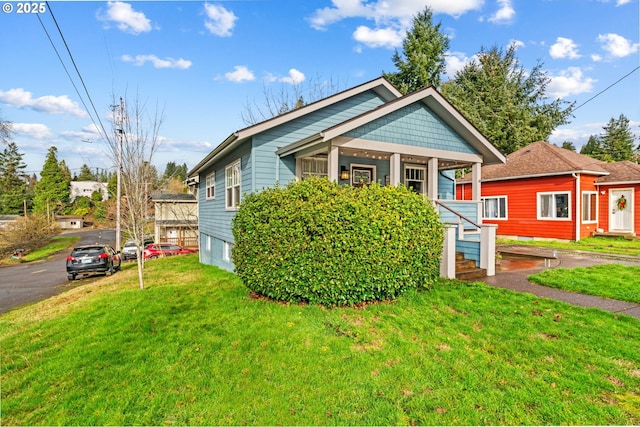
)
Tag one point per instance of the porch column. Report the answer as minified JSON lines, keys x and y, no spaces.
{"x":475,"y":181}
{"x":488,"y":248}
{"x":432,"y":178}
{"x":394,"y":166}
{"x":333,"y":171}
{"x":448,"y":259}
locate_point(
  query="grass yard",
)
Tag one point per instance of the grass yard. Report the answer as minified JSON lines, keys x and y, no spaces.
{"x":56,"y":244}
{"x":608,"y":245}
{"x":194,"y":348}
{"x":613,"y":281}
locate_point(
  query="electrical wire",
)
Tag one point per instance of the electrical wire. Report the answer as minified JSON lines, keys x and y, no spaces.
{"x":607,"y":88}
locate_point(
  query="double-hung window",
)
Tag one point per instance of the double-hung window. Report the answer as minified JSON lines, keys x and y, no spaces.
{"x":211,"y":186}
{"x":314,"y":166}
{"x":589,"y":206}
{"x":554,"y":206}
{"x":494,"y":207}
{"x":232,"y":185}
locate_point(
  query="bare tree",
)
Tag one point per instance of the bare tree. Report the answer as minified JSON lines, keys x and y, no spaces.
{"x":288,"y":97}
{"x":5,"y":131}
{"x":136,"y":139}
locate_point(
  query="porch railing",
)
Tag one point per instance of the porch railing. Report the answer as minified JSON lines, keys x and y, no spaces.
{"x":471,"y":235}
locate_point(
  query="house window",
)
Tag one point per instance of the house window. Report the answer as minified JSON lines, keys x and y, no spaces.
{"x":314,"y":166}
{"x":232,"y":185}
{"x":211,"y":186}
{"x":554,"y":206}
{"x":415,"y":178}
{"x":589,"y":206}
{"x":494,"y":207}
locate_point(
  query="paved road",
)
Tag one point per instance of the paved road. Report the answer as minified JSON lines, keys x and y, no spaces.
{"x":30,"y":282}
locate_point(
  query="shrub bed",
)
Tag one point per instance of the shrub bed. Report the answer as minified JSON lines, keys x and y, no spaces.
{"x":318,"y":242}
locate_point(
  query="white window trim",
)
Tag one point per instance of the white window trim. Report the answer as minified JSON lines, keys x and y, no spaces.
{"x":211,"y":176}
{"x":234,"y":203}
{"x":353,"y":166}
{"x":506,"y":207}
{"x":416,"y":166}
{"x":554,"y":193}
{"x":584,"y":209}
{"x":313,"y":158}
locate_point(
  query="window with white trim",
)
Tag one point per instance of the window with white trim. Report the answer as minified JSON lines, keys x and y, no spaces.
{"x":589,"y":206}
{"x":494,"y":207}
{"x":415,"y":178}
{"x":554,"y":206}
{"x":314,"y":166}
{"x":210,"y":185}
{"x":232,"y":185}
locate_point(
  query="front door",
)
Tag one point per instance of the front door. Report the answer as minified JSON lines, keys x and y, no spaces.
{"x":621,"y":210}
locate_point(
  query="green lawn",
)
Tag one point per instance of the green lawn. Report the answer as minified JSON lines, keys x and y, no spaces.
{"x":608,"y":245}
{"x":606,"y":280}
{"x":56,"y":244}
{"x":195,"y":348}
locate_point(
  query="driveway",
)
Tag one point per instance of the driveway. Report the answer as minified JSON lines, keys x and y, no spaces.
{"x":34,"y":281}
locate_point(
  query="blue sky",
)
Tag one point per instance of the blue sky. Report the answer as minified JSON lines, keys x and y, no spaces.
{"x":203,"y":62}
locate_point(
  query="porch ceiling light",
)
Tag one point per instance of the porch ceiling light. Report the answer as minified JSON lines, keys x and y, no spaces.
{"x":344,"y":173}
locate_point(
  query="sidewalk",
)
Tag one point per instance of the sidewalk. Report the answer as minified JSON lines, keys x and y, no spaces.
{"x":516,"y":278}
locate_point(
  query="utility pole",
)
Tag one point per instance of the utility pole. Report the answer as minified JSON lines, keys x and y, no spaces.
{"x":119,"y":135}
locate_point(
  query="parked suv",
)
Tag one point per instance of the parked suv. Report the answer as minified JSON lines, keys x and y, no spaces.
{"x":129,"y":248}
{"x":157,"y":250}
{"x":92,"y":259}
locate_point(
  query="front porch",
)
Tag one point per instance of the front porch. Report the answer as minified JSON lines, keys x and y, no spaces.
{"x":429,"y":172}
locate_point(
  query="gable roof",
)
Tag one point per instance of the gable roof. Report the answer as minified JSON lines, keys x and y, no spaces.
{"x":381,"y":86}
{"x":620,"y":172}
{"x":434,"y":101}
{"x":162,"y":196}
{"x":541,"y":159}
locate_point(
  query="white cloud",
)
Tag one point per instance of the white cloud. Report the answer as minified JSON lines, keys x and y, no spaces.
{"x":505,"y":14}
{"x":240,"y":74}
{"x":383,"y":11}
{"x":382,"y":37}
{"x":456,"y":61}
{"x":140,"y":60}
{"x":32,"y":130}
{"x":569,"y":82}
{"x":617,"y":46}
{"x":294,"y":77}
{"x":219,"y":20}
{"x":564,"y":48}
{"x":596,"y":58}
{"x":126,"y":18}
{"x":47,"y":104}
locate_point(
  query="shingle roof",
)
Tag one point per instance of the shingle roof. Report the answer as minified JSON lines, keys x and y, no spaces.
{"x":172,"y":197}
{"x":539,"y":159}
{"x":624,"y":171}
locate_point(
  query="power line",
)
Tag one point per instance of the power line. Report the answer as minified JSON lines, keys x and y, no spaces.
{"x":607,"y":88}
{"x":97,"y":116}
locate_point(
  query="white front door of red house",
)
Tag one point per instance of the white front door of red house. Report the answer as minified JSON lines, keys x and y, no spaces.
{"x":621,"y":210}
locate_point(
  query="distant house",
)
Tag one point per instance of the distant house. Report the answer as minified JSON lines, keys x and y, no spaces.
{"x":86,"y":188}
{"x":544,"y":191}
{"x":7,"y":220}
{"x":176,"y":218}
{"x":70,"y":222}
{"x":369,"y":133}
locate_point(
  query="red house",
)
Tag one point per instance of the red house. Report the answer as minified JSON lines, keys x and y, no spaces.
{"x":544,"y":191}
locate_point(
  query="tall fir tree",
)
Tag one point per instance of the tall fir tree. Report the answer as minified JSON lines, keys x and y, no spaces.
{"x":51,"y":194}
{"x":506,"y":102}
{"x":422,"y":61}
{"x":13,"y":180}
{"x":85,"y":174}
{"x":618,"y":143}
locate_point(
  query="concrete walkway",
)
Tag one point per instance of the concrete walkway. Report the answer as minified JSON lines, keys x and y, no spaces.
{"x":513,"y":272}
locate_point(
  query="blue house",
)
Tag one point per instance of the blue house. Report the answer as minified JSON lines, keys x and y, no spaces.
{"x":369,"y":133}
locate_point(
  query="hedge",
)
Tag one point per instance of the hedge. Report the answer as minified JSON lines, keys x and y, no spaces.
{"x":319,"y":242}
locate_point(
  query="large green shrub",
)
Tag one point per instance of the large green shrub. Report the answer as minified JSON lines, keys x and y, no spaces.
{"x":315,"y":241}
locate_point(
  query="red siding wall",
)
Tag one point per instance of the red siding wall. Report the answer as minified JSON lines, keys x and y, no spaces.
{"x":522,"y":206}
{"x":587,"y":183}
{"x":603,"y":207}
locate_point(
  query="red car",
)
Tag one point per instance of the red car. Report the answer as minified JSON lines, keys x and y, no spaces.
{"x":157,"y":250}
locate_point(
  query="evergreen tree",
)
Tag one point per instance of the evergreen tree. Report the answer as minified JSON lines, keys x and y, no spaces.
{"x":5,"y":131}
{"x":422,"y":62}
{"x":617,"y":141}
{"x":64,"y":169}
{"x":593,"y":148}
{"x":86,"y":174}
{"x":52,"y":192}
{"x":568,"y":145}
{"x":173,"y":171}
{"x":505,"y":101}
{"x":13,"y":180}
